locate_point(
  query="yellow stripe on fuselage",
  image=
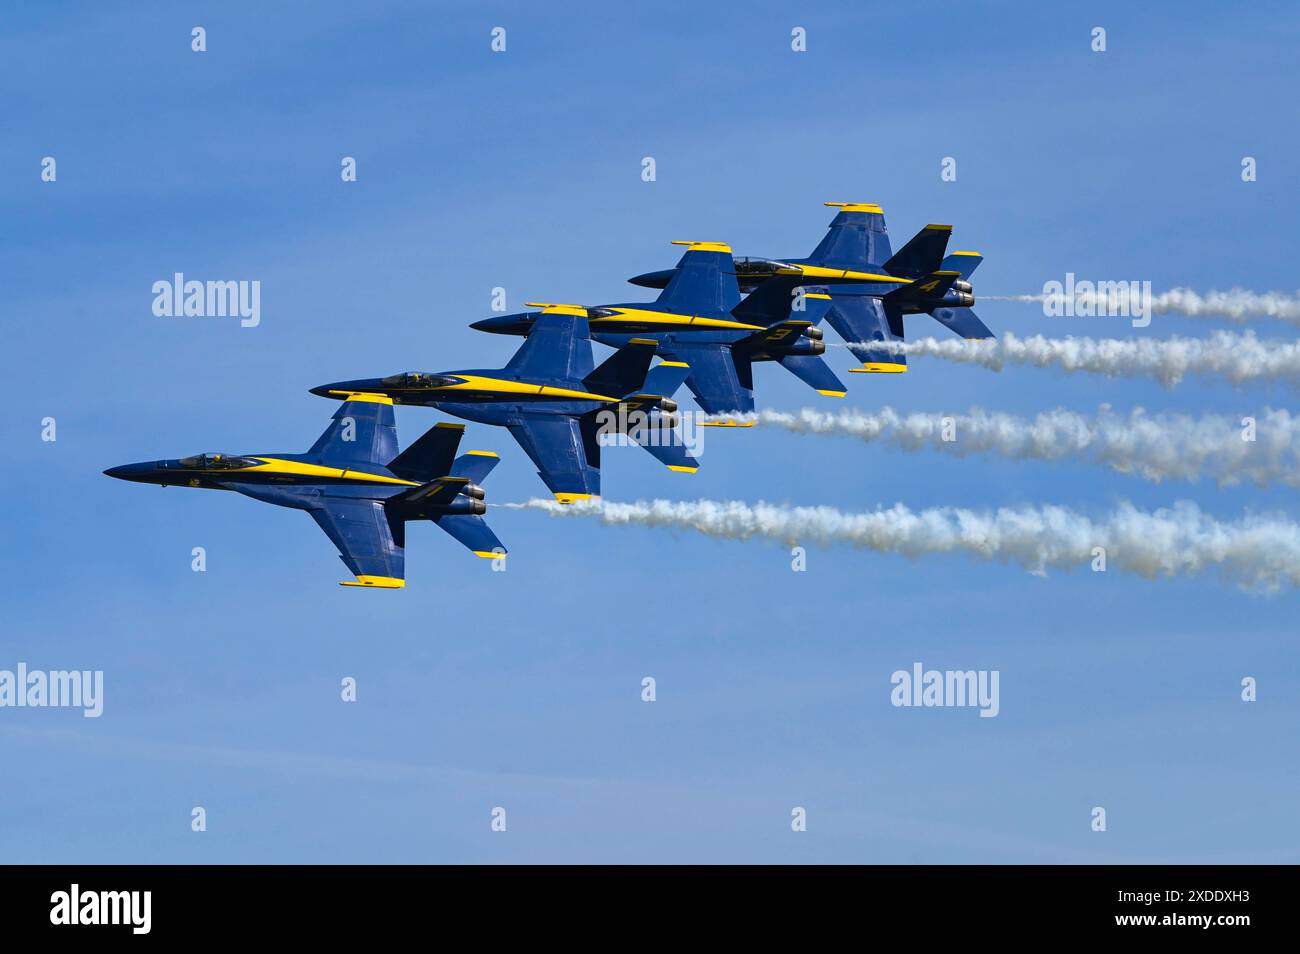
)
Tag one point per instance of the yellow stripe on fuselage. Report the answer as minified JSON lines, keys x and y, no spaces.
{"x":820,"y":271}
{"x":471,"y":382}
{"x":640,"y":316}
{"x":273,"y":465}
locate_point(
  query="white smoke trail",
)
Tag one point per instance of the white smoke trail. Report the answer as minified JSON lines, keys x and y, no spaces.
{"x":1259,"y":553}
{"x":1238,"y":304}
{"x":1154,"y":446}
{"x":1241,"y":358}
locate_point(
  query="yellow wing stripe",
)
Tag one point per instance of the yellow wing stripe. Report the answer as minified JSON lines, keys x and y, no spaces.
{"x":856,"y":206}
{"x":704,"y":246}
{"x":548,"y":308}
{"x":379,"y":582}
{"x":566,"y":498}
{"x":881,"y":367}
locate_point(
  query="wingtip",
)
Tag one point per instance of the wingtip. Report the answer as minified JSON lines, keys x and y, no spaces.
{"x":376,"y":582}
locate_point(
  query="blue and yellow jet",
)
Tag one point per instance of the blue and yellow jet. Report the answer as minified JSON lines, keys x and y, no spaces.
{"x":356,"y":486}
{"x":700,"y":319}
{"x":556,"y":404}
{"x":884,"y":286}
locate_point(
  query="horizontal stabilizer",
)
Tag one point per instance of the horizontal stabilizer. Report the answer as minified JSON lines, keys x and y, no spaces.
{"x":963,"y":263}
{"x":474,"y":465}
{"x":963,"y":322}
{"x":664,"y":378}
{"x":814,"y":372}
{"x":473,"y":531}
{"x":665,"y":444}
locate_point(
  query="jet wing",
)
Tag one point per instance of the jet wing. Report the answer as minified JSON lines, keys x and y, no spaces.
{"x":862,"y":319}
{"x":474,"y":533}
{"x":704,"y":281}
{"x":363,"y":430}
{"x":963,"y":321}
{"x":567,"y":460}
{"x":716,"y":379}
{"x":557,"y":346}
{"x":360,"y":529}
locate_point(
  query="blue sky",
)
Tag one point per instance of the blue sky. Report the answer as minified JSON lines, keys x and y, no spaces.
{"x":522,"y":689}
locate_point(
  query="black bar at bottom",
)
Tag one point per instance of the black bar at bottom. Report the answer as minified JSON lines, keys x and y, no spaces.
{"x":89,"y":904}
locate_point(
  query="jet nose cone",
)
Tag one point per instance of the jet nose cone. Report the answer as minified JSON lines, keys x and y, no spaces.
{"x":340,"y":390}
{"x":136,"y":472}
{"x":519,"y":324}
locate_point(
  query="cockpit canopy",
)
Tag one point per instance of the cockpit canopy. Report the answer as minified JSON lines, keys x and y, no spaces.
{"x":756,"y":267}
{"x":216,"y":462}
{"x":418,"y":379}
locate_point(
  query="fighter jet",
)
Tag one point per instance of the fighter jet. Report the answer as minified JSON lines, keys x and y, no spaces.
{"x":356,"y":486}
{"x":700,"y":319}
{"x":918,"y":278}
{"x":555,"y":404}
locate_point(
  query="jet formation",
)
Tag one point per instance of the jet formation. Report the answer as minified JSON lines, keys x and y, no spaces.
{"x":717,"y":315}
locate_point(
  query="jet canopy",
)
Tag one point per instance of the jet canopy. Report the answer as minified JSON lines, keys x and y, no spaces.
{"x":216,"y":462}
{"x":417,"y":379}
